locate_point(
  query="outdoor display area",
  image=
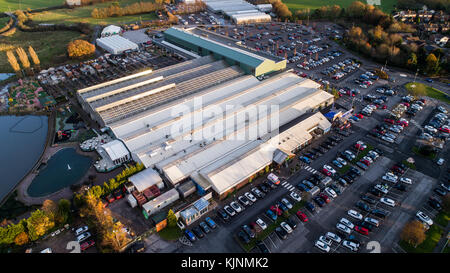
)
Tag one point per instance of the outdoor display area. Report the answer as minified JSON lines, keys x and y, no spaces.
{"x":28,"y":96}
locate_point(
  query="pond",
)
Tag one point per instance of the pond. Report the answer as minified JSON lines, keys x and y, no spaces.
{"x":63,"y":169}
{"x":22,"y":141}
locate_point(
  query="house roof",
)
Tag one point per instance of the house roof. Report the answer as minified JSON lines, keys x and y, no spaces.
{"x":145,"y":179}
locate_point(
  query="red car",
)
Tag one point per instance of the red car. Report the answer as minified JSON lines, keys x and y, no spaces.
{"x":87,"y":245}
{"x":302,"y":216}
{"x":384,"y":107}
{"x":402,"y":123}
{"x":445,"y":130}
{"x":363,"y":231}
{"x":359,"y":147}
{"x":326,"y":172}
{"x":390,"y":121}
{"x":276,"y":210}
{"x":110,"y":198}
{"x":360,"y":116}
{"x":367,"y":162}
{"x":406,"y":104}
{"x":325,"y":198}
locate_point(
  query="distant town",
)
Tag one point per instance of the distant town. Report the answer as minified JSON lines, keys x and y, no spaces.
{"x":236,"y":126}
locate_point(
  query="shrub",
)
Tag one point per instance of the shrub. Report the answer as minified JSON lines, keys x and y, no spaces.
{"x":80,"y":49}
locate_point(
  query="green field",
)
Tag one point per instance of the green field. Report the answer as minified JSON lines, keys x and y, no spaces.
{"x":293,"y":5}
{"x":83,"y":14}
{"x":7,"y":5}
{"x":428,"y":91}
{"x":49,"y":51}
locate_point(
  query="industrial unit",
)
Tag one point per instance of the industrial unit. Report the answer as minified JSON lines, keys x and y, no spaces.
{"x":204,"y":42}
{"x":116,"y":44}
{"x":209,"y":121}
{"x":239,"y":11}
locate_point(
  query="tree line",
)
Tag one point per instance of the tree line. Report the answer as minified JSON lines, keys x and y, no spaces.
{"x":41,"y":221}
{"x":23,"y":57}
{"x":111,"y":185}
{"x":115,"y":10}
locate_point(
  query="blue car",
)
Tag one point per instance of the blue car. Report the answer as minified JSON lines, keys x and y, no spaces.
{"x":210,"y":222}
{"x":337,"y":164}
{"x":303,"y":187}
{"x":355,"y":118}
{"x":282,"y":206}
{"x":190,"y":235}
{"x":310,"y":206}
{"x":271,"y":214}
{"x":429,"y":80}
{"x":305,"y":159}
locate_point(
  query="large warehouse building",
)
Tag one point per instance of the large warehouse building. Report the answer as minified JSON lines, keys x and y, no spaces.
{"x":203,"y":42}
{"x":210,"y":120}
{"x":239,"y":11}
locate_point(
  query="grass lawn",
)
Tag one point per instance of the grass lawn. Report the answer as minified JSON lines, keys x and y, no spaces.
{"x":409,"y":165}
{"x":4,"y":21}
{"x":6,"y":5}
{"x":433,"y":236}
{"x":293,"y":5}
{"x":83,"y":14}
{"x":416,"y":150}
{"x":442,"y":219}
{"x":170,"y":233}
{"x":270,"y":227}
{"x":50,"y":46}
{"x":428,"y":91}
{"x":344,"y":169}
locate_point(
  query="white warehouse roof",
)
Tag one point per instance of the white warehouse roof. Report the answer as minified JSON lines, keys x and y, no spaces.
{"x":115,"y":149}
{"x":111,"y":29}
{"x":145,"y":179}
{"x":116,"y":44}
{"x":251,"y":17}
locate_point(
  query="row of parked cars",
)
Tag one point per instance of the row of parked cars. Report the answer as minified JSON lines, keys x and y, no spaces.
{"x":201,"y":230}
{"x":309,"y":64}
{"x":438,"y":126}
{"x":82,"y":234}
{"x":366,"y":79}
{"x":250,"y":231}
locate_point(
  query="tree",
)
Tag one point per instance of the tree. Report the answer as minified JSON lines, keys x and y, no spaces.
{"x":431,"y":62}
{"x":34,"y":57}
{"x":116,"y":238}
{"x":21,"y":238}
{"x":356,"y":9}
{"x":23,"y":57}
{"x":412,"y":61}
{"x":13,"y":61}
{"x":171,"y":219}
{"x":38,"y":224}
{"x":50,"y":208}
{"x":79,"y":49}
{"x":335,"y":93}
{"x":63,"y":211}
{"x":413,"y":233}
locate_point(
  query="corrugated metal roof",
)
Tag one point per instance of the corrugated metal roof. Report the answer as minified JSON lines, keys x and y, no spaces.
{"x":235,"y":54}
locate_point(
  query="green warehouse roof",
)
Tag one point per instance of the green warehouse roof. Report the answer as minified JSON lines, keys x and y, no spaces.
{"x":232,"y":53}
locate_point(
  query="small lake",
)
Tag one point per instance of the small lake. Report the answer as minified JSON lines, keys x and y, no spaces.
{"x":63,"y":169}
{"x":22,"y":140}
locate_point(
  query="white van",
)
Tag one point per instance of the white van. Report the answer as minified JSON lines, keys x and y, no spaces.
{"x":273,"y":178}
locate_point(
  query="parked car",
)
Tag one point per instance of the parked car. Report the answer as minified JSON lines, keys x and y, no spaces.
{"x":350,"y":245}
{"x":210,"y":222}
{"x":387,"y":201}
{"x":83,"y":236}
{"x":229,"y":210}
{"x":198,"y":232}
{"x":251,"y":197}
{"x":261,"y":223}
{"x":355,"y":214}
{"x":302,"y":216}
{"x":243,"y":237}
{"x":281,"y":233}
{"x":343,"y":228}
{"x":424,"y":218}
{"x":81,"y":230}
{"x":223,"y":215}
{"x":271,"y":215}
{"x":333,"y":237}
{"x":322,"y":246}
